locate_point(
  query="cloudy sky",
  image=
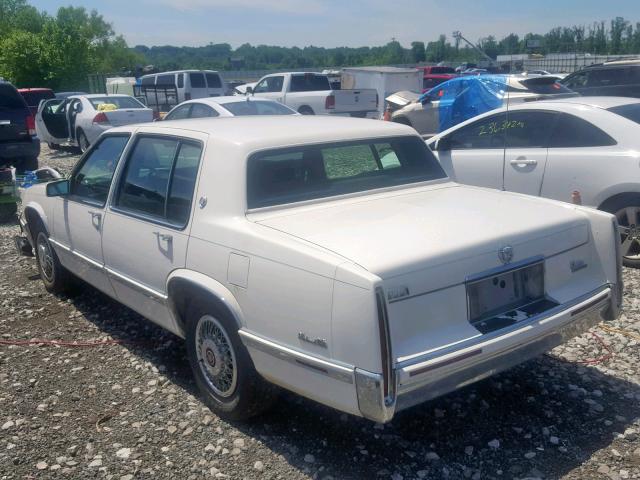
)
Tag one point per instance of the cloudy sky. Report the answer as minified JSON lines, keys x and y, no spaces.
{"x":331,"y":23}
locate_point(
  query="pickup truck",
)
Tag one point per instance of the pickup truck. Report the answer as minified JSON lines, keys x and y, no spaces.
{"x":311,"y":94}
{"x":435,"y":75}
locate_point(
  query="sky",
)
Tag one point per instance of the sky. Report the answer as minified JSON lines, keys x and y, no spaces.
{"x":334,"y":23}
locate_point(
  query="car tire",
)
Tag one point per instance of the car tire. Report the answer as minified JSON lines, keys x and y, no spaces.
{"x":8,"y":212}
{"x":55,"y":277}
{"x":626,"y":208}
{"x":53,"y":146}
{"x":83,"y":142}
{"x":222,"y":367}
{"x":306,"y":111}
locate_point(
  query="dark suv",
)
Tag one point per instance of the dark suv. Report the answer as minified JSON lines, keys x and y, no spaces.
{"x":19,"y":145}
{"x":620,"y":79}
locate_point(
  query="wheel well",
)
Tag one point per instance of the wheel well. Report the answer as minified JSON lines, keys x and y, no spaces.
{"x":305,"y":108}
{"x":78,"y":131}
{"x":33,"y":219}
{"x":621,"y":198}
{"x":184,"y":296}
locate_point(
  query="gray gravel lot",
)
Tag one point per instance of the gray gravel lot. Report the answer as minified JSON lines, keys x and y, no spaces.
{"x":131,"y":409}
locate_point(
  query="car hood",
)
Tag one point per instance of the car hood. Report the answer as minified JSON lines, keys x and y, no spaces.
{"x":414,"y":229}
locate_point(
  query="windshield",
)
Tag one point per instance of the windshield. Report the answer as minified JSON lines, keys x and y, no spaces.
{"x":630,"y":111}
{"x":277,"y":177}
{"x":245,"y":107}
{"x":120,"y":102}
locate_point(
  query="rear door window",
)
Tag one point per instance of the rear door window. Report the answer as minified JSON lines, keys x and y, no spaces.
{"x":528,"y":129}
{"x":213,"y":80}
{"x":149,"y":80}
{"x":197,"y":80}
{"x":571,"y":131}
{"x":309,"y":83}
{"x":200,"y":110}
{"x":179,"y":113}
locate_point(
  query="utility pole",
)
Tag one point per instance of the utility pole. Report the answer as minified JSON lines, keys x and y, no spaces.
{"x":458,"y":36}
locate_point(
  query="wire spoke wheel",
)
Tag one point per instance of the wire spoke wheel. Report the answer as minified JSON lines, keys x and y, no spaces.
{"x":629,"y":228}
{"x":216,"y":357}
{"x":45,"y":258}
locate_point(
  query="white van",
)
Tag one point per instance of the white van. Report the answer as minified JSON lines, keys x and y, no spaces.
{"x":189,"y":84}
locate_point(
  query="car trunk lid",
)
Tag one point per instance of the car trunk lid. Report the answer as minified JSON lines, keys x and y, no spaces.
{"x":127,"y":116}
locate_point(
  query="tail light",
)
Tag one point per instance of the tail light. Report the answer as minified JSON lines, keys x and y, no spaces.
{"x":31,"y":125}
{"x":330,"y":102}
{"x":388,"y":376}
{"x":187,"y":96}
{"x":101,"y":119}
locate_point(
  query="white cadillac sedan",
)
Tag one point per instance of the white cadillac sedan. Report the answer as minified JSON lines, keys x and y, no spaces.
{"x":583,"y":150}
{"x":330,"y":256}
{"x":229,"y":106}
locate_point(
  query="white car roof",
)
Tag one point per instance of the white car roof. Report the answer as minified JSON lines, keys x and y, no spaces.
{"x":230,"y":99}
{"x":600,"y":102}
{"x":268,"y":131}
{"x":100,"y":95}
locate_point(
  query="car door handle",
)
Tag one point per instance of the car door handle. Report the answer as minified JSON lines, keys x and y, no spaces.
{"x":96,"y":218}
{"x":521,"y":162}
{"x":164,"y":236}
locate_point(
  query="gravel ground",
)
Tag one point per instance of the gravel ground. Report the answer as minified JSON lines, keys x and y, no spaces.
{"x":131,"y":410}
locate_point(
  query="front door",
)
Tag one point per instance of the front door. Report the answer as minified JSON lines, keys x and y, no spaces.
{"x":78,"y":217}
{"x":527,"y":138}
{"x":271,"y":88}
{"x":475,"y":153}
{"x":145,"y":231}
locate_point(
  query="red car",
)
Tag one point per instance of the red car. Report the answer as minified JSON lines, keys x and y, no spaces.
{"x":433,"y":76}
{"x":33,"y":96}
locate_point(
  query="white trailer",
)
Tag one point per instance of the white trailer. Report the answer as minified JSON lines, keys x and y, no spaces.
{"x":386,"y":80}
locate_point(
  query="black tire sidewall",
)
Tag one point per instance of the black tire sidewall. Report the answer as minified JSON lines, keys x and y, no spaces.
{"x":238,"y":405}
{"x":618,"y":204}
{"x":53,"y":285}
{"x":81,"y":136}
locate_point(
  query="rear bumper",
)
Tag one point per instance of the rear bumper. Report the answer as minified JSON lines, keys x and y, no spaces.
{"x":19,"y":150}
{"x":436,"y":373}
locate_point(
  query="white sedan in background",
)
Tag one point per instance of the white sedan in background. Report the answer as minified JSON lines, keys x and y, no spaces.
{"x":80,"y":119}
{"x":582,"y":150}
{"x":229,"y":106}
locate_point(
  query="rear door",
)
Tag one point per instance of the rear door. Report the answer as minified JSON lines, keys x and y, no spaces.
{"x":214,"y":84}
{"x":198,"y":85}
{"x":526,"y":136}
{"x":476,"y":152}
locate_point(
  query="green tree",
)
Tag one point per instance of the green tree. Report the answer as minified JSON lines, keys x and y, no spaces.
{"x":418,"y":52}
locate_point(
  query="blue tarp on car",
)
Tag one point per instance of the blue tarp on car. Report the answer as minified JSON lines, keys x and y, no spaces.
{"x":465,"y":97}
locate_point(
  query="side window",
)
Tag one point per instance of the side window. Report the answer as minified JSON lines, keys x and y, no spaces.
{"x":200,"y":110}
{"x":577,"y":80}
{"x":485,"y":133}
{"x":91,"y":181}
{"x":179,"y":113}
{"x":270,"y":85}
{"x":527,"y":129}
{"x":181,"y":80}
{"x":159,"y":178}
{"x":166,"y":80}
{"x":571,"y":131}
{"x":213,"y":80}
{"x":197,"y":80}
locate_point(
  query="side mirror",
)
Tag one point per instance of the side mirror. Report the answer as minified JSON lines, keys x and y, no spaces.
{"x":442,"y":144}
{"x":59,"y":188}
{"x":249,"y":90}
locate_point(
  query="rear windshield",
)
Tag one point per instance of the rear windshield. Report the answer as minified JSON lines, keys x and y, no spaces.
{"x":309,"y":83}
{"x":277,"y":177}
{"x":245,"y":107}
{"x":33,"y":98}
{"x":440,"y":70}
{"x":545,"y":85}
{"x":631,"y":111}
{"x":10,"y":98}
{"x":120,"y":102}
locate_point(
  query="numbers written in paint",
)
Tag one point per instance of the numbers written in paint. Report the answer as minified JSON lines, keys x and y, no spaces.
{"x":499,"y":127}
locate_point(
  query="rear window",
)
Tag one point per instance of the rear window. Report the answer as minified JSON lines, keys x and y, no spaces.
{"x":10,"y":98}
{"x":197,"y":80}
{"x":295,"y":174}
{"x":213,"y":80}
{"x":245,"y":107}
{"x":166,"y":80}
{"x":33,"y":98}
{"x":148,"y":80}
{"x":630,"y":112}
{"x":309,"y":83}
{"x":120,"y":102}
{"x":441,"y":70}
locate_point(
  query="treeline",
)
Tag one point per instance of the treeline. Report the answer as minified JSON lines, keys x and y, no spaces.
{"x":618,"y":36}
{"x":39,"y":50}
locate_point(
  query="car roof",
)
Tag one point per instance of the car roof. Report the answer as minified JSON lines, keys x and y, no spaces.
{"x":100,"y":95}
{"x":179,"y":71}
{"x":37,"y":89}
{"x":270,"y":131}
{"x":229,"y":99}
{"x":599,"y":102}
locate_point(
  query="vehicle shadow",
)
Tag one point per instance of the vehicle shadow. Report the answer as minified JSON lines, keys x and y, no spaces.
{"x":563,"y":412}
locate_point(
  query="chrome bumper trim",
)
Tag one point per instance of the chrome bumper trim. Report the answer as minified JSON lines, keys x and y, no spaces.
{"x":333,"y":370}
